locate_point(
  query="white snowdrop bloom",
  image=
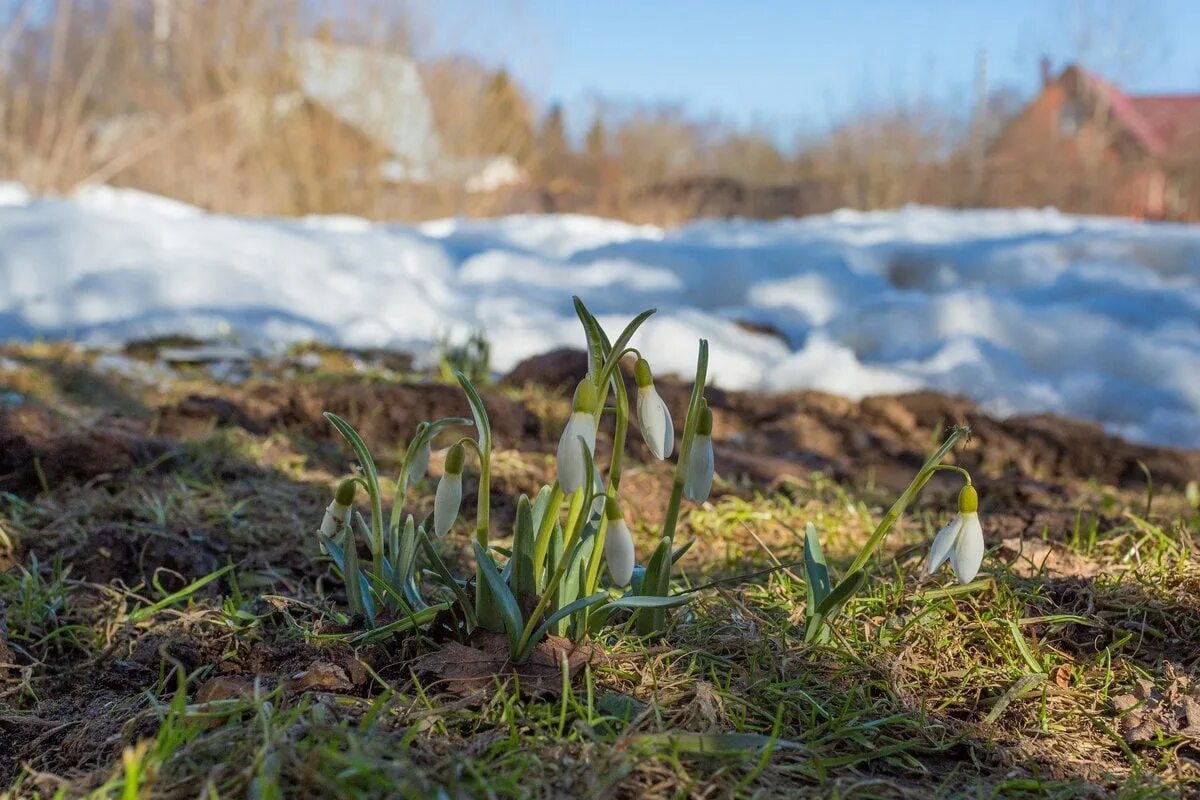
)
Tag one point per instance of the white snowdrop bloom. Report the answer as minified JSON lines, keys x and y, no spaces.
{"x":961,"y":541}
{"x":581,"y":425}
{"x":419,"y":466}
{"x":448,"y":498}
{"x":698,"y":475}
{"x":337,"y":513}
{"x":618,"y":545}
{"x":654,"y":418}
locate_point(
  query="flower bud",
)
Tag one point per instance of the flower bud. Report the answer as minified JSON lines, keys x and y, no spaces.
{"x":968,"y":500}
{"x":419,"y":466}
{"x":618,"y":545}
{"x":698,"y":472}
{"x":581,"y":425}
{"x":654,"y":418}
{"x":337,"y":513}
{"x":448,"y":498}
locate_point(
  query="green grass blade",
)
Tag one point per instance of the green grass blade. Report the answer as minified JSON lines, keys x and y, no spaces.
{"x":645,"y":601}
{"x":841,"y":593}
{"x":816,"y":570}
{"x":139,"y":614}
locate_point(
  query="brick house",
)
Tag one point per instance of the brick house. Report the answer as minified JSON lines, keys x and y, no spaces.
{"x":1084,"y":145}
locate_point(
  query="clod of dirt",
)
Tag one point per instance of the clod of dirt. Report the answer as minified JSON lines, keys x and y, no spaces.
{"x":322,"y":676}
{"x":1172,"y":711}
{"x":1030,"y":557}
{"x":561,"y":369}
{"x":224,"y":687}
{"x":38,"y":447}
{"x":117,"y":553}
{"x":473,"y":670}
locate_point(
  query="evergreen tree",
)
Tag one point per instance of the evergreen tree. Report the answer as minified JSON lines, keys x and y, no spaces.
{"x":505,"y":123}
{"x":597,"y":140}
{"x":553,"y":151}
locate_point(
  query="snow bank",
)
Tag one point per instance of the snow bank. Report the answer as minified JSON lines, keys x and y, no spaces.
{"x":1023,"y":310}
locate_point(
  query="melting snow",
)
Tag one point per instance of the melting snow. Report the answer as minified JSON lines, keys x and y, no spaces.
{"x":1023,"y":310}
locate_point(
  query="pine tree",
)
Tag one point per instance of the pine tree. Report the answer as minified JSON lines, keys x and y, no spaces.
{"x":597,"y":140}
{"x":553,"y":151}
{"x":505,"y":125}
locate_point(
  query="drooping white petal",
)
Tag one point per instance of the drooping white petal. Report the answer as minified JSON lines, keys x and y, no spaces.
{"x":336,"y":516}
{"x":570,"y":457}
{"x":420,"y":463}
{"x":698,"y":478}
{"x":943,"y":544}
{"x":446,"y":503}
{"x":618,"y":552}
{"x":654,"y":419}
{"x":968,"y":550}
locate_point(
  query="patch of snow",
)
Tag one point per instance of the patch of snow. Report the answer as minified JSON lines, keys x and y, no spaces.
{"x":1023,"y":310}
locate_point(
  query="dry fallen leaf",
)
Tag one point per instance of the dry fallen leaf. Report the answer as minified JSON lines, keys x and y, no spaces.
{"x":467,"y":670}
{"x":1172,"y":710}
{"x":322,"y":676}
{"x":1061,"y":675}
{"x":223,"y":687}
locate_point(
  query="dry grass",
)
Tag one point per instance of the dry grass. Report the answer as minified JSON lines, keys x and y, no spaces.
{"x":125,"y":669}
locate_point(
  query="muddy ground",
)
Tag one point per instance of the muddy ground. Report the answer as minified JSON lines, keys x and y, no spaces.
{"x":140,"y":486}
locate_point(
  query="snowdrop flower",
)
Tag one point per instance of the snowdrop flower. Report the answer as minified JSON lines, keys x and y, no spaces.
{"x":337,"y":514}
{"x":448,"y":498}
{"x":420,"y":460}
{"x":960,"y":542}
{"x":581,"y":425}
{"x":654,"y":418}
{"x":698,"y":472}
{"x":618,"y":545}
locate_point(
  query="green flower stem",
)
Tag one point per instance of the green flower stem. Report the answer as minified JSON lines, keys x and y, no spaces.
{"x":951,"y":468}
{"x":542,"y":543}
{"x":690,"y":424}
{"x":402,"y":481}
{"x":574,"y":512}
{"x":918,"y":483}
{"x":377,"y":554}
{"x":578,"y":522}
{"x":486,"y":609}
{"x":620,"y":433}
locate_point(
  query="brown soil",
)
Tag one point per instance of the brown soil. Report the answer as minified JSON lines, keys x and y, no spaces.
{"x":103,"y":476}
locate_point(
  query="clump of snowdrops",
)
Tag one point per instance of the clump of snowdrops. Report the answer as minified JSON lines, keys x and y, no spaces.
{"x":552,"y":578}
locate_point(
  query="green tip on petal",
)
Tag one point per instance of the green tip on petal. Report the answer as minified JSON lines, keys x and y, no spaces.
{"x":585,"y":397}
{"x":346,"y":490}
{"x":641,"y":373}
{"x":705,"y":422}
{"x":968,"y":500}
{"x":612,"y":509}
{"x":455,"y":459}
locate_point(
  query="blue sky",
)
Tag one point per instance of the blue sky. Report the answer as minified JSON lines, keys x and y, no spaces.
{"x":801,"y":65}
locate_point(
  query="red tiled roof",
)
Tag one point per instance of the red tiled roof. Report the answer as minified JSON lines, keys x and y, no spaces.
{"x":1176,"y":118}
{"x":1156,"y":122}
